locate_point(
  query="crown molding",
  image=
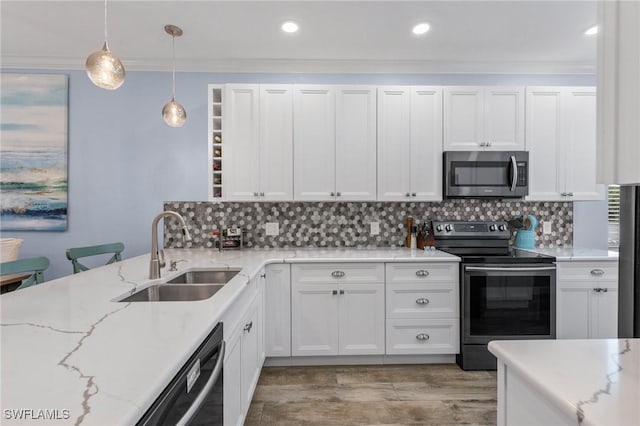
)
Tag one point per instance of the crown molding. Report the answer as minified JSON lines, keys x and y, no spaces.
{"x":315,"y":66}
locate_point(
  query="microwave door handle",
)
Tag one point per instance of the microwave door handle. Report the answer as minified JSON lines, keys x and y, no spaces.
{"x":514,"y":173}
{"x":197,"y":403}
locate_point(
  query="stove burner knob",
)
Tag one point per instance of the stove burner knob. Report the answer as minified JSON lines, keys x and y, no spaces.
{"x":502,"y":228}
{"x":439,"y":228}
{"x":448,"y":228}
{"x":492,"y":227}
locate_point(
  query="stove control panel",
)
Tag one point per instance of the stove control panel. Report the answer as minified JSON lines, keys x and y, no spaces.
{"x":471,"y":229}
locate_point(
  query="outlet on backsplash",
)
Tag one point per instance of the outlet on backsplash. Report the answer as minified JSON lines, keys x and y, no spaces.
{"x":546,"y":228}
{"x":272,"y":228}
{"x":375,"y":228}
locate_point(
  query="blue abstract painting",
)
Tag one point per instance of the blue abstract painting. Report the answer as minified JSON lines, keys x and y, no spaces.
{"x":33,"y":152}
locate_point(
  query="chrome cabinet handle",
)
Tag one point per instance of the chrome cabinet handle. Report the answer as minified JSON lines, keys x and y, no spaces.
{"x":422,"y":301}
{"x":334,"y":292}
{"x":337,"y":194}
{"x":407,"y":194}
{"x":597,"y":272}
{"x":483,"y":144}
{"x":598,"y":290}
{"x":422,"y":273}
{"x":341,"y":291}
{"x":255,"y":194}
{"x":413,"y":194}
{"x":422,"y":336}
{"x":570,"y":194}
{"x":332,"y":194}
{"x":263,"y":275}
{"x":247,"y":327}
{"x":337,"y":274}
{"x":262,"y":194}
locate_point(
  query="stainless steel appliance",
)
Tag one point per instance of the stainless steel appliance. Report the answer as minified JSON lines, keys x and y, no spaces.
{"x":629,"y":272}
{"x":505,"y":293}
{"x":486,"y":174}
{"x":195,"y":395}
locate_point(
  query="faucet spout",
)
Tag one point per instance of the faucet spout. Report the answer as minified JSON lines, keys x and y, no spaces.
{"x":157,"y":255}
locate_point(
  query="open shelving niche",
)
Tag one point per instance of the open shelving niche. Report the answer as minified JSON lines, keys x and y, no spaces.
{"x":215,"y":141}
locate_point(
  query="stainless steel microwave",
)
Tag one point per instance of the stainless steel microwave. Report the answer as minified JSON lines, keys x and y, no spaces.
{"x":486,"y":174}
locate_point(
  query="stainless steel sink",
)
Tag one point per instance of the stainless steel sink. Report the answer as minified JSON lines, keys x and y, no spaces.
{"x":173,"y":293}
{"x":209,"y":276}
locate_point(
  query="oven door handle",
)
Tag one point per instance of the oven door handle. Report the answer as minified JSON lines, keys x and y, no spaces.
{"x":213,"y":378}
{"x":514,"y":173}
{"x":498,"y":269}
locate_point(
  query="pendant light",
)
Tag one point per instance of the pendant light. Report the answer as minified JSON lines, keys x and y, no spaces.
{"x":103,"y":68}
{"x":173,"y":113}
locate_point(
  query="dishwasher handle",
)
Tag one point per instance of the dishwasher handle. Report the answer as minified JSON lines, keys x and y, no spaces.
{"x":213,"y":378}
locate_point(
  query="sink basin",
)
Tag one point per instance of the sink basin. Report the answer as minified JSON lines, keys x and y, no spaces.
{"x":209,"y":276}
{"x":173,"y":293}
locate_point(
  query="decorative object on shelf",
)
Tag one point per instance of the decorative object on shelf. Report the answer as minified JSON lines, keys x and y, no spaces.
{"x":173,"y":113}
{"x":104,"y":69}
{"x":33,"y":158}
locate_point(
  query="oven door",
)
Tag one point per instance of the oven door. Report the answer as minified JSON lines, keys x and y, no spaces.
{"x":508,"y":302}
{"x":486,"y":174}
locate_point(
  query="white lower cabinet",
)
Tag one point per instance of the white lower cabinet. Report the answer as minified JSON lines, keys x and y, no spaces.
{"x":587,"y":300}
{"x":422,"y":305}
{"x":337,"y":309}
{"x":277,"y":301}
{"x":244,"y":353}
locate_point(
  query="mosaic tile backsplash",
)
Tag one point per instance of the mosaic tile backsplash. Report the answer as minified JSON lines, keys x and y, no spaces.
{"x":346,"y":224}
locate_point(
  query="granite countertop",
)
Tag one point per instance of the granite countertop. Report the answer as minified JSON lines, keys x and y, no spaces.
{"x":596,"y":381}
{"x":577,"y":253}
{"x":68,"y":345}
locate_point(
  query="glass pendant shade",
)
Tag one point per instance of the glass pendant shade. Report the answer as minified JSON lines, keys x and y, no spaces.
{"x":174,"y":114}
{"x":104,"y":69}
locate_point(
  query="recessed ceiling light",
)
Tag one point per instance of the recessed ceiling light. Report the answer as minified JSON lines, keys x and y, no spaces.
{"x":289,"y":27}
{"x":421,"y":28}
{"x":592,"y":31}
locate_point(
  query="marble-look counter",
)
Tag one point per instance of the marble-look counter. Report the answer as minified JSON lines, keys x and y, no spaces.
{"x":577,"y":253}
{"x":69,"y":346}
{"x":592,"y":382}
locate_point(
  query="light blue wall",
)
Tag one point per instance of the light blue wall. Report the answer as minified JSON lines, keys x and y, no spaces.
{"x":124,"y":161}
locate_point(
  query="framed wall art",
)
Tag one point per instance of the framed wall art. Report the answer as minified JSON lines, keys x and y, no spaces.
{"x":33,"y":152}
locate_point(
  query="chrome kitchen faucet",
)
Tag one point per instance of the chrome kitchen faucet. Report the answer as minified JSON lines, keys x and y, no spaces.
{"x":157,"y":256}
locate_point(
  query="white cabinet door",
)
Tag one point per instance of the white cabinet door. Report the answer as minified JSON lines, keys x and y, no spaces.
{"x":355,"y":139}
{"x":241,"y":143}
{"x":573,"y":311}
{"x":580,"y":145}
{"x":426,"y":144}
{"x":463,"y":118}
{"x":278,"y":310}
{"x":544,"y":143}
{"x":276,"y":143}
{"x":232,"y":381}
{"x":250,"y":352}
{"x":504,"y":118}
{"x":604,"y":324}
{"x":314,"y":319}
{"x":394,"y":153}
{"x":490,"y":118}
{"x":361,"y":315}
{"x":314,"y":138}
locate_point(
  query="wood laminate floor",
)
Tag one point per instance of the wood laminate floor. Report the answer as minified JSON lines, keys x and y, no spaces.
{"x":435,"y":394}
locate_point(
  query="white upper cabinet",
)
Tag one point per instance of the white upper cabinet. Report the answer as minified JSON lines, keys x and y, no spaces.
{"x":258,"y":145}
{"x":561,"y":136}
{"x":355,"y":143}
{"x":314,"y":136}
{"x":489,"y":118}
{"x":409,"y":143}
{"x":335,"y":140}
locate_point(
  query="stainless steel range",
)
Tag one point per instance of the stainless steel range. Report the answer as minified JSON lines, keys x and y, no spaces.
{"x":505,"y":293}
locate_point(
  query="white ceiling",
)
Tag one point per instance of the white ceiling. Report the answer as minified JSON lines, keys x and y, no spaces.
{"x":335,"y":36}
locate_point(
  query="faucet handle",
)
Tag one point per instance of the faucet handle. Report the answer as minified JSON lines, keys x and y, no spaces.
{"x":174,"y":264}
{"x":161,"y":260}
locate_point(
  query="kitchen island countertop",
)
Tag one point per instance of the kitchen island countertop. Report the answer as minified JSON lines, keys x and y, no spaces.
{"x":72,"y":354}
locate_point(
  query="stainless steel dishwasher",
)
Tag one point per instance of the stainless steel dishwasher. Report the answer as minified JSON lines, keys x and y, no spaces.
{"x":195,"y":395}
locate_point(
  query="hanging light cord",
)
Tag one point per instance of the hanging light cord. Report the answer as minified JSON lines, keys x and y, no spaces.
{"x":173,"y":57}
{"x":105,"y":21}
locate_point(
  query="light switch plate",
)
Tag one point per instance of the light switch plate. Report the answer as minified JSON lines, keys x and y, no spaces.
{"x":546,"y":227}
{"x":375,"y":228}
{"x":272,"y":228}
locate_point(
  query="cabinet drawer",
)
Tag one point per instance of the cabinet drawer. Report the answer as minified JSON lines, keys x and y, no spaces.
{"x":331,"y":273}
{"x":422,"y":272}
{"x":588,"y":271}
{"x":423,"y":300}
{"x":418,"y":337}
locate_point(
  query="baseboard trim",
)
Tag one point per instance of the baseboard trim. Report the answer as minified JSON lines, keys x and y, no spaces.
{"x":359,"y":360}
